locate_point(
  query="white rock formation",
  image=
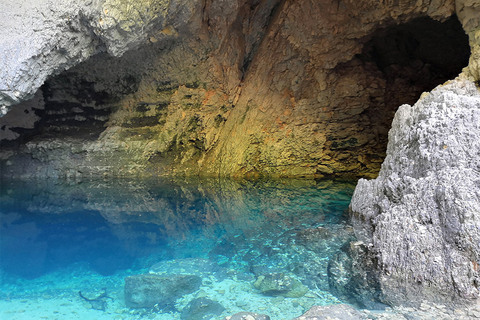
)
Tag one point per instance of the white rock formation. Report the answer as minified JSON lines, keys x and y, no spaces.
{"x":421,"y":217}
{"x":40,"y":38}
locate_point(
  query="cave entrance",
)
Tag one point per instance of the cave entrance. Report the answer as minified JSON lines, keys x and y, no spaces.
{"x":396,"y":66}
{"x":417,"y":56}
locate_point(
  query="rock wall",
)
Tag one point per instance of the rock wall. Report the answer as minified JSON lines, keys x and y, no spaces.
{"x":41,"y":38}
{"x":245,"y":88}
{"x":419,"y":219}
{"x":468,"y":12}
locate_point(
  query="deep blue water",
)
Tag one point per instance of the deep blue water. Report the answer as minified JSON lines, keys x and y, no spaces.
{"x":77,"y":234}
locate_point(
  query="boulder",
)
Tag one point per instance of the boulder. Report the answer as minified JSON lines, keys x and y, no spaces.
{"x":420,"y":219}
{"x":352,"y":276}
{"x":151,"y":290}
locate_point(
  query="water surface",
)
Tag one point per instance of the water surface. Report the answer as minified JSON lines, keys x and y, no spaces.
{"x":58,"y":238}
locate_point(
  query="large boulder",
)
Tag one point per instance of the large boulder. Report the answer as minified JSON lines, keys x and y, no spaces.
{"x":161,"y":292}
{"x":420,"y":219}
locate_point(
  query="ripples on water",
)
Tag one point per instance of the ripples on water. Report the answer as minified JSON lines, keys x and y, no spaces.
{"x":57,"y":239}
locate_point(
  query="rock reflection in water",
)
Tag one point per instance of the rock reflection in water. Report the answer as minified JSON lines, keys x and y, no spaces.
{"x":252,"y":226}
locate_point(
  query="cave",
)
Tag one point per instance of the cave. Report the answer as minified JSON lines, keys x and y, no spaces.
{"x":241,"y":145}
{"x":417,"y":56}
{"x":396,"y":65}
{"x":140,"y":96}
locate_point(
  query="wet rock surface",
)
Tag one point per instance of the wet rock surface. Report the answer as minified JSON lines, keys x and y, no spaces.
{"x":160,"y":292}
{"x":352,"y":276}
{"x":419,"y":219}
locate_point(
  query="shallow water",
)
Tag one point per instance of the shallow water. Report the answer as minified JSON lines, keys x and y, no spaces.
{"x":59,"y":238}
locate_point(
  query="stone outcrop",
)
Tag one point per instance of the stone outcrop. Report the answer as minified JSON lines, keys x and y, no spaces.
{"x":419,"y":219}
{"x":243,"y":88}
{"x":468,"y":12}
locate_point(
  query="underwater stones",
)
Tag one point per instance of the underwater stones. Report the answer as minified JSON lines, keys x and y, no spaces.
{"x":279,"y":284}
{"x":419,"y":219}
{"x":247,"y":316}
{"x":201,"y":309}
{"x":333,"y":312}
{"x":352,"y":275}
{"x":98,"y":302}
{"x":150,"y":290}
{"x":315,"y":239}
{"x":197,"y":266}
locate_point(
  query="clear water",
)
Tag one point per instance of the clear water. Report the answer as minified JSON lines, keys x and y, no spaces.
{"x":59,"y":238}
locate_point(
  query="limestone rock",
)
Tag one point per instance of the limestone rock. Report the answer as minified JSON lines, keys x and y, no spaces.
{"x":420,"y":217}
{"x":230,"y":88}
{"x":468,"y":12}
{"x":352,"y":276}
{"x":150,"y":290}
{"x":44,"y":37}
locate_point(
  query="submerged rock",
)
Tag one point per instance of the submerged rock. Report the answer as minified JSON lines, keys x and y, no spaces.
{"x":420,"y":218}
{"x":198,"y":266}
{"x":352,"y":276}
{"x":97,"y":302}
{"x":202,"y":309}
{"x":279,"y":284}
{"x":333,"y":312}
{"x":150,"y":290}
{"x":247,"y":316}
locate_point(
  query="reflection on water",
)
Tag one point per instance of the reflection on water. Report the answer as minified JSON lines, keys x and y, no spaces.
{"x":227,"y":229}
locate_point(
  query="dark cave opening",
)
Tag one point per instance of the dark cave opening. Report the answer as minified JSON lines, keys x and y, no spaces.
{"x":417,"y":56}
{"x":396,"y":66}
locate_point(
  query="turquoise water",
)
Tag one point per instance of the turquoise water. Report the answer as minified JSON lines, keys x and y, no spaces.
{"x":66,"y":248}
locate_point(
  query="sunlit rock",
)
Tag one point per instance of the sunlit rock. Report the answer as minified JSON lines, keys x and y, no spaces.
{"x":419,"y":219}
{"x":238,"y":89}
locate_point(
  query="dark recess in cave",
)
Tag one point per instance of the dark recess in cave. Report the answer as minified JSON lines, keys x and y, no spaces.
{"x":417,"y":56}
{"x":405,"y":60}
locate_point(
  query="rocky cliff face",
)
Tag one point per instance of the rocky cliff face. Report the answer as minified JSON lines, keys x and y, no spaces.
{"x":419,"y":219}
{"x":243,"y":88}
